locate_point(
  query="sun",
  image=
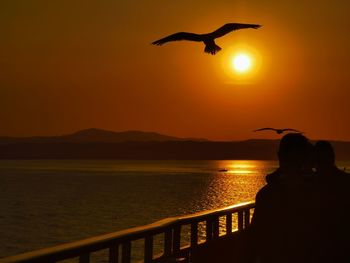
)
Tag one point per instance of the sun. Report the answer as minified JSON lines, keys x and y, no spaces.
{"x":241,"y":63}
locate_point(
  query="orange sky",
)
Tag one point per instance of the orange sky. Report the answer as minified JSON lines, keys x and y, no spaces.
{"x":70,"y":65}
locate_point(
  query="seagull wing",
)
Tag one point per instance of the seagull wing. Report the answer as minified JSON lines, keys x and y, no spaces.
{"x":231,"y":27}
{"x":264,"y":129}
{"x":290,"y":130}
{"x":177,"y":37}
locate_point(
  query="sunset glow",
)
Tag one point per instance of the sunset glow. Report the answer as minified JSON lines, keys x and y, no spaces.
{"x":98,"y":68}
{"x":161,"y":131}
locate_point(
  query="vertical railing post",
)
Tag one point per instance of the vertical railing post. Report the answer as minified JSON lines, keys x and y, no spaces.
{"x":209,"y":229}
{"x":114,"y":253}
{"x":126,"y":252}
{"x":246,"y":218}
{"x":84,"y":258}
{"x":228,"y":224}
{"x":176,"y":239}
{"x":240,"y":220}
{"x":168,"y":242}
{"x":194,"y":234}
{"x":216,"y":227}
{"x":148,"y":255}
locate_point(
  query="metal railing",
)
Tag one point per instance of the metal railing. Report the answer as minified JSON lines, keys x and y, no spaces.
{"x":119,"y":244}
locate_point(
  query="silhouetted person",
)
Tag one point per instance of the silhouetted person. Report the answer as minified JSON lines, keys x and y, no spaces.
{"x":283,"y":228}
{"x":306,"y":167}
{"x":325,"y":160}
{"x":333,"y":187}
{"x":309,"y":166}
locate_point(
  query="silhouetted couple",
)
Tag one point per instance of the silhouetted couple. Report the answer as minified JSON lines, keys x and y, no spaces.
{"x":301,"y":215}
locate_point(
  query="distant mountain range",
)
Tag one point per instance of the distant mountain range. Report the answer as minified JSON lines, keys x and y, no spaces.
{"x":102,"y":144}
{"x":97,"y":135}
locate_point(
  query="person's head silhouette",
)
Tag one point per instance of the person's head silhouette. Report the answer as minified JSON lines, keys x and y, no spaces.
{"x":310,"y":160}
{"x":324,"y":156}
{"x":293,"y":152}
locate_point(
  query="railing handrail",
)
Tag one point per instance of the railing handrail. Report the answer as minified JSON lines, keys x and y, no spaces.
{"x":217,"y":212}
{"x":92,"y":244}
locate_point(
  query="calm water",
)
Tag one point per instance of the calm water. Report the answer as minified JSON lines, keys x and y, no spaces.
{"x":44,"y":203}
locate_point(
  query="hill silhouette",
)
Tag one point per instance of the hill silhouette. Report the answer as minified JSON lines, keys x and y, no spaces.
{"x":102,"y":144}
{"x":97,"y":135}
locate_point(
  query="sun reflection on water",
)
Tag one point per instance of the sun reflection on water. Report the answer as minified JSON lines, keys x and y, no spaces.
{"x":240,"y":166}
{"x":236,"y":181}
{"x":240,"y":171}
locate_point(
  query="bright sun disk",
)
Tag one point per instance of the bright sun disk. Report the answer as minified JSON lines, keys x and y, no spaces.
{"x":241,"y":63}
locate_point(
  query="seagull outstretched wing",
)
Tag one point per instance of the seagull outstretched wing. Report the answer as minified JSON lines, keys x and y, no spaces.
{"x":231,"y":27}
{"x":290,"y":130}
{"x":177,"y":37}
{"x":264,"y":129}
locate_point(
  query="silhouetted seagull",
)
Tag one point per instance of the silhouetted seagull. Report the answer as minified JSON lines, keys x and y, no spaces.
{"x":208,"y":39}
{"x":278,"y":131}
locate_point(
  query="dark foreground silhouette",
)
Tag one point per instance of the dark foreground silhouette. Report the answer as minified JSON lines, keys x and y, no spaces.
{"x":207,"y":39}
{"x":301,"y":215}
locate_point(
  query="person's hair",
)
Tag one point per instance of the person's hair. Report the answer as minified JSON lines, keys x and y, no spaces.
{"x":293,"y":150}
{"x":324,"y":153}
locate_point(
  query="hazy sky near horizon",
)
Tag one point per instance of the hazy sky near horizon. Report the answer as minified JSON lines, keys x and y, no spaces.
{"x":70,"y":65}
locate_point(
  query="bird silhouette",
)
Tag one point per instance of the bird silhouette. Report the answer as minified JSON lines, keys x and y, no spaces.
{"x":208,"y":39}
{"x":278,"y":131}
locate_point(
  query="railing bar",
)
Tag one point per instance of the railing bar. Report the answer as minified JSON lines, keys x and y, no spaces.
{"x":148,"y":256}
{"x":194,"y":234}
{"x":84,"y":258}
{"x":176,"y":239}
{"x":168,"y":242}
{"x":114,"y":254}
{"x":209,"y":230}
{"x":201,"y":216}
{"x":240,"y":220}
{"x":89,"y":245}
{"x":228,"y":223}
{"x":126,"y":252}
{"x":246,"y":218}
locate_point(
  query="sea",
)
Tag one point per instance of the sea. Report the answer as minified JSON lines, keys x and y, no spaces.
{"x":50,"y":202}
